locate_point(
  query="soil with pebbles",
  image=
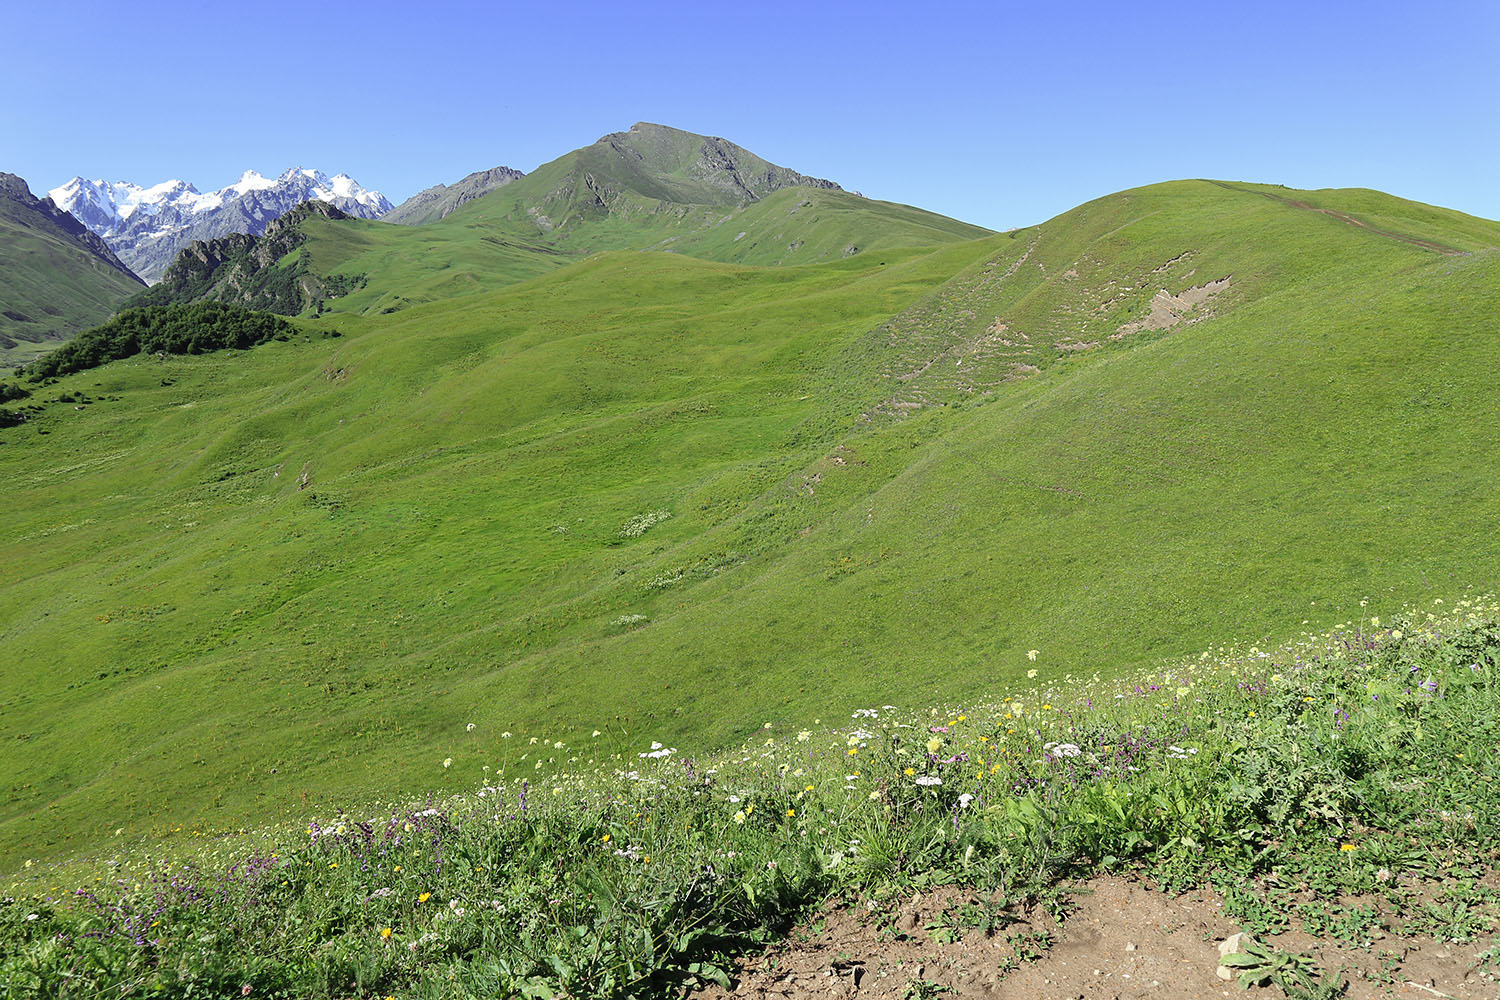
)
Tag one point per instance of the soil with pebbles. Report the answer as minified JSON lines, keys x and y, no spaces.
{"x":1118,"y":940}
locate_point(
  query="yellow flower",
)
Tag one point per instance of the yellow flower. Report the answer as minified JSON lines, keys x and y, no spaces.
{"x":424,"y":897}
{"x":791,"y":812}
{"x":646,"y":860}
{"x":1346,"y":847}
{"x":604,"y":839}
{"x":385,"y":933}
{"x":934,"y":745}
{"x":808,"y":788}
{"x":910,"y":771}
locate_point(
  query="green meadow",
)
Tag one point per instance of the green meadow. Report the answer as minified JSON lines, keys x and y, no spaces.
{"x":675,"y":498}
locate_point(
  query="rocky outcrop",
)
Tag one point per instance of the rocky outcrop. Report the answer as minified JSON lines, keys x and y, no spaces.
{"x":246,"y":270}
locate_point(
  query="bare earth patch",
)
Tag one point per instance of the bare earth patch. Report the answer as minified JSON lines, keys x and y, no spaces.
{"x":1119,"y":940}
{"x":1168,"y":310}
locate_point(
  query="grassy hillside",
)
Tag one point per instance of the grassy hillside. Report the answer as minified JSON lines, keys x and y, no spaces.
{"x":50,"y":286}
{"x":675,"y":499}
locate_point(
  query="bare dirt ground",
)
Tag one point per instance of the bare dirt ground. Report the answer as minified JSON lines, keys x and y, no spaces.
{"x":1118,"y":940}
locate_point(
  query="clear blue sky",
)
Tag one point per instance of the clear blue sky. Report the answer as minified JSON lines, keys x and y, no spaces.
{"x":1002,"y":114}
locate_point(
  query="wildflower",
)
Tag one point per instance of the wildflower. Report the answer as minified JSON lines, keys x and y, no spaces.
{"x":1031,"y":655}
{"x":604,"y":839}
{"x":964,"y":800}
{"x":1346,"y":848}
{"x":934,"y":745}
{"x":424,"y":897}
{"x":791,"y":812}
{"x":597,"y":734}
{"x":1031,"y":673}
{"x":929,"y":780}
{"x":1375,"y":621}
{"x":739,"y":817}
{"x":505,"y":735}
{"x":447,"y":762}
{"x":469,"y":728}
{"x":910,"y":771}
{"x":804,"y":736}
{"x":385,"y":933}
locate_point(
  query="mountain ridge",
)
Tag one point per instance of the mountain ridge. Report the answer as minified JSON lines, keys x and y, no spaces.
{"x":147,"y":226}
{"x":500,"y":226}
{"x":438,"y":201}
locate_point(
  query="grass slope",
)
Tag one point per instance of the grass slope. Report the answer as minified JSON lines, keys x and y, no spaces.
{"x":50,"y":286}
{"x":258,"y":583}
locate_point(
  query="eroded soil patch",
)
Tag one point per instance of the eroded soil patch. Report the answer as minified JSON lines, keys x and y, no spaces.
{"x":1117,"y":940}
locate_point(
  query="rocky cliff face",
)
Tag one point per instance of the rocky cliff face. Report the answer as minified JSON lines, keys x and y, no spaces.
{"x":438,"y":201}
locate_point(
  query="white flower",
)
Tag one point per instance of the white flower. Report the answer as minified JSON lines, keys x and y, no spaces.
{"x":964,"y":800}
{"x":447,"y":762}
{"x":928,"y":780}
{"x":469,"y":727}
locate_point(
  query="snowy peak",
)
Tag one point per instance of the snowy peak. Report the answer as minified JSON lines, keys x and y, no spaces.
{"x":146,"y":226}
{"x":104,"y":205}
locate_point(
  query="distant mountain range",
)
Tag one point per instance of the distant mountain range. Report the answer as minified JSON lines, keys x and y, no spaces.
{"x":648,"y":188}
{"x":148,"y":226}
{"x":56,"y":277}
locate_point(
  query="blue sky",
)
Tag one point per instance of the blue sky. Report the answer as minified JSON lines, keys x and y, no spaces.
{"x":1002,"y":114}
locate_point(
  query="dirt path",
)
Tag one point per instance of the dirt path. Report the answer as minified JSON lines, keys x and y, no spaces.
{"x":1351,"y":220}
{"x":1118,"y":940}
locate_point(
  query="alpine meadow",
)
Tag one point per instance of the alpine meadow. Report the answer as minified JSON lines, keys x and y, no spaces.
{"x":803,"y":545}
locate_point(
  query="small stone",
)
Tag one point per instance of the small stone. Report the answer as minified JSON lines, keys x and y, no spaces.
{"x":1234,"y":944}
{"x":1131,"y":946}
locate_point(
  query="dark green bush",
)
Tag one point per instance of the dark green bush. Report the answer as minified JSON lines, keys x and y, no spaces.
{"x":173,"y":329}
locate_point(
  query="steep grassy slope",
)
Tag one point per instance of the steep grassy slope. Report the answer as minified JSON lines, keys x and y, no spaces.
{"x":56,"y":278}
{"x":675,"y":499}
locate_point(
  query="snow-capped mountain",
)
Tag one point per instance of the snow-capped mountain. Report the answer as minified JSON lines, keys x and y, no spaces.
{"x":147,"y":226}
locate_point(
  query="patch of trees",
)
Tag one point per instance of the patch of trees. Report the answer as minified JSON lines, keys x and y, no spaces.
{"x":184,"y":328}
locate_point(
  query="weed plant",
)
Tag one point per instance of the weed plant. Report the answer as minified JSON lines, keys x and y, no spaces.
{"x":1339,"y":761}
